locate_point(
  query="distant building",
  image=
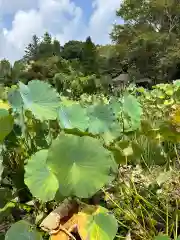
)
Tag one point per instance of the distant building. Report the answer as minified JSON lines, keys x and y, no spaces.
{"x":124,"y":79}
{"x":121,"y":80}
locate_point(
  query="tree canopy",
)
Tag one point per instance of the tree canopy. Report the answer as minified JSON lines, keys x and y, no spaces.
{"x":145,"y":45}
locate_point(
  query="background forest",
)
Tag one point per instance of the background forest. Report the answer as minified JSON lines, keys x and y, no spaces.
{"x":146,"y":46}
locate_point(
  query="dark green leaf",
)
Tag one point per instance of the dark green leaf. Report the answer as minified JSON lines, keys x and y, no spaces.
{"x":22,"y":230}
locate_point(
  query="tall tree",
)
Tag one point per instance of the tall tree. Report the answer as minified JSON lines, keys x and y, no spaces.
{"x":149,"y":31}
{"x":46,"y":46}
{"x":32,"y":50}
{"x":56,"y":48}
{"x":5,"y":72}
{"x":89,"y":57}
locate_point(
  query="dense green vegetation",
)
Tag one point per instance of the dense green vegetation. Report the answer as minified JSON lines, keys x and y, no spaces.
{"x":89,"y":134}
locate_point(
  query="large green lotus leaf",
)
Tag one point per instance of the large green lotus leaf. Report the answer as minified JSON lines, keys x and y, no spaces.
{"x":74,"y":116}
{"x":114,"y":132}
{"x":22,"y":230}
{"x":15,"y":99}
{"x":40,"y":180}
{"x":6,"y":123}
{"x":100,"y":225}
{"x":40,"y":99}
{"x":81,"y":164}
{"x":132,"y":108}
{"x":101,"y":118}
{"x":116,"y":107}
{"x":132,"y":113}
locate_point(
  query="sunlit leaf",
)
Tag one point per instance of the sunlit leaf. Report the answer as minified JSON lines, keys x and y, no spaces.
{"x":4,"y":105}
{"x":175,"y":117}
{"x":73,"y":116}
{"x":99,"y":225}
{"x":39,"y":178}
{"x":163,"y":177}
{"x":6,"y":123}
{"x":40,"y":99}
{"x":81,"y":164}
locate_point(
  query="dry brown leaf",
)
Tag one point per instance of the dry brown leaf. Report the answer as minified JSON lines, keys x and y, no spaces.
{"x":60,"y":236}
{"x":67,"y":229}
{"x":75,"y":224}
{"x":59,"y":216}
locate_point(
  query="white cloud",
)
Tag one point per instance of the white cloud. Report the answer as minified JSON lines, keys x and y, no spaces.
{"x":12,"y":6}
{"x":101,"y":21}
{"x":62,"y":18}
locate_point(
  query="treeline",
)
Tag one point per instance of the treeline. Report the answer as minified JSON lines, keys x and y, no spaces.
{"x":145,"y":46}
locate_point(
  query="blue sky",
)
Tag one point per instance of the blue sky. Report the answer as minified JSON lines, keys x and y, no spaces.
{"x":86,"y":5}
{"x":7,"y":20}
{"x":63,"y":19}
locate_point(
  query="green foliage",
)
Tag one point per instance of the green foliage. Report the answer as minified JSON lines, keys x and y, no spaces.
{"x":41,"y":99}
{"x":22,"y":230}
{"x":73,"y":116}
{"x":6,"y":123}
{"x":63,"y":148}
{"x":101,"y":225}
{"x":150,"y":35}
{"x":162,"y":238}
{"x":32,"y":51}
{"x":89,"y":57}
{"x":81,"y":165}
{"x":5,"y":72}
{"x":39,"y":178}
{"x":72,"y":50}
{"x":101,"y":118}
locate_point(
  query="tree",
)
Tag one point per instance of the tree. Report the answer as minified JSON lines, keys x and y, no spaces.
{"x":56,"y":48}
{"x":46,"y":47}
{"x":89,"y":57}
{"x":150,"y":30}
{"x":72,"y":50}
{"x":111,"y":59}
{"x":5,"y":72}
{"x":32,"y":51}
{"x":17,"y":70}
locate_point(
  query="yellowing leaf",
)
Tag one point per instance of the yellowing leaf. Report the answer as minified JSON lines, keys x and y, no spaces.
{"x":168,"y":102}
{"x":4,"y":105}
{"x":100,"y":225}
{"x":93,"y":223}
{"x":175,"y":116}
